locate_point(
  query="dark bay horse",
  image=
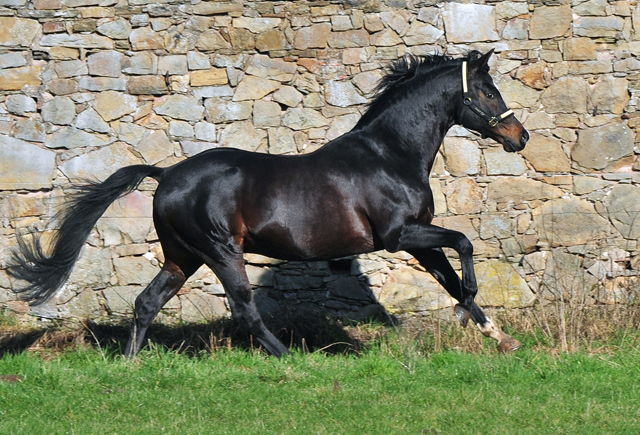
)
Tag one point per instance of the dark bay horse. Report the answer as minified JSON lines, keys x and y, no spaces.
{"x":364,"y":191}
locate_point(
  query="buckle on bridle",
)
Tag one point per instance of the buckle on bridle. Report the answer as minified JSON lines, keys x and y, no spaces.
{"x":491,"y":120}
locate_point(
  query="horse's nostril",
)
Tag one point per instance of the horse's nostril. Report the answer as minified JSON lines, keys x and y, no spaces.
{"x":524,"y":138}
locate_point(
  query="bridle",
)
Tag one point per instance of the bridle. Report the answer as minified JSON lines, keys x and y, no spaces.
{"x":491,"y":120}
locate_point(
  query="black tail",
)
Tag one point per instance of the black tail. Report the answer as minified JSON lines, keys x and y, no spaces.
{"x":46,"y":272}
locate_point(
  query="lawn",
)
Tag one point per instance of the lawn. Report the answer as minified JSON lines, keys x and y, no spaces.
{"x":391,"y":387}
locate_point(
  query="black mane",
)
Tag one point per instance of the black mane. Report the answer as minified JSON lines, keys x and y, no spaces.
{"x":403,"y":70}
{"x":409,"y":66}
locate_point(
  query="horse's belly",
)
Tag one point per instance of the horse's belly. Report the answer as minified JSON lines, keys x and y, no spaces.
{"x":320,"y":240}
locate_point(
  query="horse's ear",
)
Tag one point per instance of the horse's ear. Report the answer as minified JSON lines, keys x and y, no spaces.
{"x":483,"y":62}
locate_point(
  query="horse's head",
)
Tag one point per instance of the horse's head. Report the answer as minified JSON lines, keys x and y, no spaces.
{"x":484,"y":109}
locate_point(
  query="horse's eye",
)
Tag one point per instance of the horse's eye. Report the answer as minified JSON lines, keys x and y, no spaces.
{"x":489,"y":95}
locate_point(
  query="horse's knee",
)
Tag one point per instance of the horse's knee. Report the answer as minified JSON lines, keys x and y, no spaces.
{"x":465,"y":247}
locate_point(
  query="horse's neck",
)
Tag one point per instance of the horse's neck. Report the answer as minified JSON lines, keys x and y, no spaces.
{"x":415,"y":135}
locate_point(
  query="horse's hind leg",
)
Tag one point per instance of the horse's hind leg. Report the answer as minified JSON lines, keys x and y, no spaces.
{"x":436,"y":262}
{"x":234,"y":279}
{"x":148,"y":303}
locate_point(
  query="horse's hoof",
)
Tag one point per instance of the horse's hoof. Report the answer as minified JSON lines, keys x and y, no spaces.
{"x":462,"y":314}
{"x":509,"y":344}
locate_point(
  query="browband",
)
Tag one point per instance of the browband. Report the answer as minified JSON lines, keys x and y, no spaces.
{"x":491,"y":120}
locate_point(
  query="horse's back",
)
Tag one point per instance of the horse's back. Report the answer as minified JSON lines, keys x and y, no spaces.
{"x":293,"y":207}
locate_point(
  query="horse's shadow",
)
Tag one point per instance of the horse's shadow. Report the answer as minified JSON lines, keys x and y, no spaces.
{"x":302,"y":326}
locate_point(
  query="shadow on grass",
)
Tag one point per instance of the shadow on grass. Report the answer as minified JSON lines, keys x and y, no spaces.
{"x":310,"y":330}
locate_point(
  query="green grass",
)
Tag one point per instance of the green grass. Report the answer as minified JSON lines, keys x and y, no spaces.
{"x":391,"y":388}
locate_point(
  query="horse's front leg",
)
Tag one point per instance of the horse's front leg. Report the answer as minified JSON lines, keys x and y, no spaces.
{"x":424,"y":242}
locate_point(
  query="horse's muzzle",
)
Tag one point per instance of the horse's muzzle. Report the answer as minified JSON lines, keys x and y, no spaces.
{"x":512,"y":145}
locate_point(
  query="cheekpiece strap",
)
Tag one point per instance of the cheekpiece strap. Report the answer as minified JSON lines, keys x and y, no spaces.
{"x":491,"y":120}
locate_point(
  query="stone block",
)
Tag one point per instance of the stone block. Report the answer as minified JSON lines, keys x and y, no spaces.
{"x":93,"y":267}
{"x":17,"y":32}
{"x":113,"y":105}
{"x":100,"y":84}
{"x":516,"y":28}
{"x":121,"y":299}
{"x":422,"y":33}
{"x":12,"y":60}
{"x":410,"y":291}
{"x":205,"y":131}
{"x":144,"y":63}
{"x":533,"y":75}
{"x":610,"y":94}
{"x":349,"y":39}
{"x":579,"y":49}
{"x":90,"y":120}
{"x":303,"y":119}
{"x":518,"y":190}
{"x":24,"y":165}
{"x":568,"y":222}
{"x":281,"y":141}
{"x":181,"y":129}
{"x":254,"y":88}
{"x":216,"y":7}
{"x":63,"y":86}
{"x":314,"y":36}
{"x":173,"y":65}
{"x":257,"y":25}
{"x":134,"y":270}
{"x":623,"y":209}
{"x":342,"y":94}
{"x":221,"y":110}
{"x":13,"y":79}
{"x":461,"y":156}
{"x":71,"y":68}
{"x":599,"y":147}
{"x":271,"y":40}
{"x":516,"y":95}
{"x":209,"y":77}
{"x":385,"y":38}
{"x":241,"y":39}
{"x":598,"y":27}
{"x":287,"y":95}
{"x":274,"y":69}
{"x":72,"y":137}
{"x":266,"y":114}
{"x":19,"y":104}
{"x":197,"y":60}
{"x":469,"y":22}
{"x":499,"y":285}
{"x":495,"y":225}
{"x":99,"y":164}
{"x":144,"y":38}
{"x":566,"y":95}
{"x":198,"y":306}
{"x":147,"y":85}
{"x":59,"y":110}
{"x":550,"y":22}
{"x":546,"y":154}
{"x":105,"y":63}
{"x":342,"y":124}
{"x":179,"y":106}
{"x":243,"y":135}
{"x":155,"y":146}
{"x":89,"y":41}
{"x":32,"y":129}
{"x":117,"y":29}
{"x":464,"y":196}
{"x":212,"y":40}
{"x":499,"y":162}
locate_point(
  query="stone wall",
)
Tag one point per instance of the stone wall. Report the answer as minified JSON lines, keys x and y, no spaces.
{"x":89,"y":86}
